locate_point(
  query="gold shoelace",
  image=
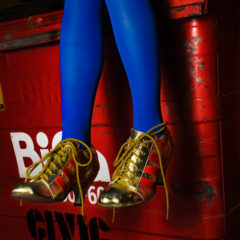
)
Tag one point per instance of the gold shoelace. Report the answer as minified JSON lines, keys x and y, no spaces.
{"x":55,"y":161}
{"x":127,"y":150}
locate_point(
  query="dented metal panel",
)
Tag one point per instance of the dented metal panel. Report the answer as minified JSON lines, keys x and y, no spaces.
{"x":30,"y":31}
{"x":185,"y":8}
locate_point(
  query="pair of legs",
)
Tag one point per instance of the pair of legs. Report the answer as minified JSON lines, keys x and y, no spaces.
{"x":81,"y":52}
{"x":144,"y":157}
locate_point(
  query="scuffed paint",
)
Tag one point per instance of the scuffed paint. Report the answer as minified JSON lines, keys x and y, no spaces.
{"x":201,"y":66}
{"x":199,"y":79}
{"x":191,"y":45}
{"x":194,"y":61}
{"x":99,"y":106}
{"x":167,"y":109}
{"x":180,"y":9}
{"x":29,"y":41}
{"x":208,"y":192}
{"x":105,"y":133}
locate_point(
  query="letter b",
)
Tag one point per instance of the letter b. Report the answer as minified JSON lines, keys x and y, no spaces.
{"x":27,"y":152}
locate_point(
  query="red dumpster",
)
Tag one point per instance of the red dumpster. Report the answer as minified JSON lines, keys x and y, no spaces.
{"x":199,"y":96}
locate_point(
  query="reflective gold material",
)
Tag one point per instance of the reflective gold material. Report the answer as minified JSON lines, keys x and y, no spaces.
{"x":141,"y":161}
{"x":67,"y":167}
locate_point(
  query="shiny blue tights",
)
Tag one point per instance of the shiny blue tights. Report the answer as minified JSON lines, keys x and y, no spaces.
{"x":81,"y":58}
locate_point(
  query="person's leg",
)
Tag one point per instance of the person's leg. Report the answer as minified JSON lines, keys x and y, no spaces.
{"x":81,"y":56}
{"x":143,"y":159}
{"x":73,"y":163}
{"x":134,"y":29}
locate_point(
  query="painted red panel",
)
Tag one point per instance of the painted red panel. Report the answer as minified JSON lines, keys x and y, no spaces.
{"x":186,"y":8}
{"x":175,"y":3}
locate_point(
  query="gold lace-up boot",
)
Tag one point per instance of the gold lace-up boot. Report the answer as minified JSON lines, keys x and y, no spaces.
{"x":67,"y":167}
{"x":141,"y":163}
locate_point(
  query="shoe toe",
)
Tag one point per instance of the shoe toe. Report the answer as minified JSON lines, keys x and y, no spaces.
{"x":22,"y":189}
{"x":113,"y":196}
{"x":34,"y":191}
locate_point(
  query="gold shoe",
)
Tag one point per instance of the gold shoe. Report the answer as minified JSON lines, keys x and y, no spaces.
{"x":67,"y":167}
{"x":141,"y":162}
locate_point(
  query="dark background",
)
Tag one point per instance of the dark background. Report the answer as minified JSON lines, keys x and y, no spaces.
{"x":13,"y":9}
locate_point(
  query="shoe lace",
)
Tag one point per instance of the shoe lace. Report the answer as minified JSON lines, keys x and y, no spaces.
{"x":55,"y":160}
{"x":127,"y":150}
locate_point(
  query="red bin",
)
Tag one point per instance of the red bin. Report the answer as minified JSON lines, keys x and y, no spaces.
{"x":199,"y":99}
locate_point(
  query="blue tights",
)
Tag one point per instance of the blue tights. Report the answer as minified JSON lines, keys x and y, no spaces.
{"x":81,"y":57}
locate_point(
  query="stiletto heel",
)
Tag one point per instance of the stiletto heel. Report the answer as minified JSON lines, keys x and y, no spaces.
{"x":77,"y":196}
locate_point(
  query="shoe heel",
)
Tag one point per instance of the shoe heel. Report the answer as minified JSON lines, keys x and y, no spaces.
{"x":77,"y":196}
{"x":85,"y":186}
{"x":160,"y":180}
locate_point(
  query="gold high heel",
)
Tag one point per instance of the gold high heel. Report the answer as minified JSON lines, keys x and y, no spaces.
{"x":67,"y":167}
{"x":141,"y":161}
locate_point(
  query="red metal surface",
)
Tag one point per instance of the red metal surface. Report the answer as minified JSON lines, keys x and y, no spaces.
{"x":32,"y":30}
{"x":198,"y":100}
{"x":185,"y":8}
